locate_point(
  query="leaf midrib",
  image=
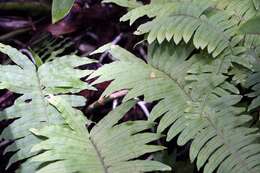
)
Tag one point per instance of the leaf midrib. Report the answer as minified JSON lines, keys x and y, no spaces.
{"x":101,"y":158}
{"x":42,"y":96}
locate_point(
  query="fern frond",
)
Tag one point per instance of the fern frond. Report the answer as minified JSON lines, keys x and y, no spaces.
{"x":32,"y":110}
{"x":108,"y":148}
{"x":183,"y":20}
{"x":209,"y":24}
{"x":241,"y":9}
{"x":163,"y":9}
{"x":186,"y":24}
{"x":196,"y":102}
{"x":149,"y":10}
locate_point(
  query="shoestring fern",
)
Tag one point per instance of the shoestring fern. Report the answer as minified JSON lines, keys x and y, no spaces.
{"x":31,"y":110}
{"x":109,"y":147}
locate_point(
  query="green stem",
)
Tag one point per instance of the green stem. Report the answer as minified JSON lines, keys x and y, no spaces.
{"x":14,"y":33}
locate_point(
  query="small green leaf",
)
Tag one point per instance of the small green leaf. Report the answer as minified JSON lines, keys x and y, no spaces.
{"x":60,"y":9}
{"x":37,"y":59}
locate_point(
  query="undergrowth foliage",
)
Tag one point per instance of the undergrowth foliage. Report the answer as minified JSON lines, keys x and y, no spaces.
{"x":201,"y":69}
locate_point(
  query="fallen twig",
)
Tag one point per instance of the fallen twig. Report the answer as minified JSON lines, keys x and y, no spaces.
{"x":14,"y":33}
{"x":104,"y":100}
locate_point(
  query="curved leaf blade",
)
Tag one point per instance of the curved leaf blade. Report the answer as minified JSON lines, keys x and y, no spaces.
{"x":60,"y":9}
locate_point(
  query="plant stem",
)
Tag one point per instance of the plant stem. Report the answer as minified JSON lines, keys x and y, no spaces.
{"x":104,"y":100}
{"x":14,"y":33}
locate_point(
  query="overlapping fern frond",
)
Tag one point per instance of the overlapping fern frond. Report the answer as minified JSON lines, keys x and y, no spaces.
{"x":182,"y":18}
{"x":196,"y":103}
{"x":108,"y":148}
{"x":31,"y":110}
{"x":208,"y":24}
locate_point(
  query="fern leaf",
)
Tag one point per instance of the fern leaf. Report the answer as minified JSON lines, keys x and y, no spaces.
{"x":186,"y":23}
{"x":188,"y":19}
{"x":243,"y":10}
{"x":32,"y":110}
{"x":196,"y":102}
{"x":194,"y":20}
{"x":108,"y":147}
{"x":150,"y":10}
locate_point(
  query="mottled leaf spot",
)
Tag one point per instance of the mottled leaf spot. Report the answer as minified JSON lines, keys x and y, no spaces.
{"x":152,"y":75}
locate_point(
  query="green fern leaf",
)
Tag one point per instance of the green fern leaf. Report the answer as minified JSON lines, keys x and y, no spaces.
{"x":108,"y":147}
{"x":32,"y":110}
{"x":194,"y":20}
{"x":156,"y":8}
{"x":196,"y":102}
{"x":187,"y":23}
{"x":150,"y":10}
